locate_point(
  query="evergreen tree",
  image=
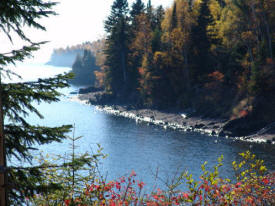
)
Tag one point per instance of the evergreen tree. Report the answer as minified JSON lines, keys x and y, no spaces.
{"x":149,"y":13}
{"x":158,"y":17}
{"x":156,"y":40}
{"x":116,"y":51}
{"x":84,"y":68}
{"x":73,"y":172}
{"x":137,"y":8}
{"x":17,"y":136}
{"x":149,"y":7}
{"x":201,"y":43}
{"x":174,"y":20}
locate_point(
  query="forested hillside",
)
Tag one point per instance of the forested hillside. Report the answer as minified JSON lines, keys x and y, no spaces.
{"x":66,"y":57}
{"x":212,"y":56}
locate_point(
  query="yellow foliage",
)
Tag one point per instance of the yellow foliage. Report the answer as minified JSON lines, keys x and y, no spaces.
{"x":166,"y":21}
{"x":143,"y":36}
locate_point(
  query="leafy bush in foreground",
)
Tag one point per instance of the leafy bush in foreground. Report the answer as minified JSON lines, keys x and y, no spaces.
{"x":254,"y":186}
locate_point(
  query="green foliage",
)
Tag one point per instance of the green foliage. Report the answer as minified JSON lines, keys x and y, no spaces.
{"x":158,"y":18}
{"x":137,"y":8}
{"x":66,"y":176}
{"x":252,"y":186}
{"x":20,"y":136}
{"x":117,"y":27}
{"x":201,"y":58}
{"x":16,"y":12}
{"x":17,"y":98}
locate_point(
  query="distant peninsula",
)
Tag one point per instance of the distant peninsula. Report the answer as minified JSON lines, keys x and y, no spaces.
{"x":84,"y":59}
{"x":64,"y":57}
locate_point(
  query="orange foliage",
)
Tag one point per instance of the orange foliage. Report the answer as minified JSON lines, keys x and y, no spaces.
{"x":217,"y":76}
{"x":208,"y":191}
{"x":216,"y":79}
{"x":143,"y":36}
{"x":100,"y":77}
{"x":269,"y":61}
{"x":141,"y":71}
{"x":243,"y":113}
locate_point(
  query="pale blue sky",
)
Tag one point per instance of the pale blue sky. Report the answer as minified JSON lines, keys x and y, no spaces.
{"x":78,"y":21}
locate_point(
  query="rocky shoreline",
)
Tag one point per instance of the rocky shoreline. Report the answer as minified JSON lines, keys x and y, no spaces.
{"x":179,"y":120}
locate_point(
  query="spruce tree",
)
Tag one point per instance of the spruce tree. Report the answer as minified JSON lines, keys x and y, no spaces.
{"x":158,"y":17}
{"x":17,"y":136}
{"x":117,"y":27}
{"x":149,"y":7}
{"x":174,"y":19}
{"x":149,"y":13}
{"x":201,"y":43}
{"x":137,"y":8}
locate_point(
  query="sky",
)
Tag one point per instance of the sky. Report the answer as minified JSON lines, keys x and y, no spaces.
{"x":78,"y":21}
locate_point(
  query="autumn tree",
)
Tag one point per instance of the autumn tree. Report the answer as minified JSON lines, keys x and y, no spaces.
{"x":245,"y":27}
{"x":194,"y":51}
{"x":141,"y":47}
{"x":176,"y":39}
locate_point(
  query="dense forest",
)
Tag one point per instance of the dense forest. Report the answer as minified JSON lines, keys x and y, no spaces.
{"x":213,"y":57}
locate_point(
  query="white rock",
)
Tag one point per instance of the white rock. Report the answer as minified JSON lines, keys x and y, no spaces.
{"x":184,"y":116}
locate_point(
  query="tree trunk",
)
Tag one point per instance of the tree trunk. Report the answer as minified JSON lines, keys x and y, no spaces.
{"x":268,"y":35}
{"x":123,"y":64}
{"x":186,"y":69}
{"x":2,"y":154}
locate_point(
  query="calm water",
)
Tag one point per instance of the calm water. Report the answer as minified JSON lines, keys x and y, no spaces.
{"x":145,"y":149}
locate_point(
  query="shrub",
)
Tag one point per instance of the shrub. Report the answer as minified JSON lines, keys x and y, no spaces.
{"x":252,"y":186}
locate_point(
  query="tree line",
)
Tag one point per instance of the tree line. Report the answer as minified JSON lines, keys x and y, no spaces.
{"x":214,"y":56}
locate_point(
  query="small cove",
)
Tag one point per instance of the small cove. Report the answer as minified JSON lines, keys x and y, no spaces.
{"x":147,"y":149}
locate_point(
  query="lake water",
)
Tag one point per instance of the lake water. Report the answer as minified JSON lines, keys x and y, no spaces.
{"x":145,"y":149}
